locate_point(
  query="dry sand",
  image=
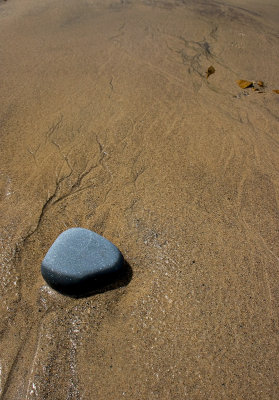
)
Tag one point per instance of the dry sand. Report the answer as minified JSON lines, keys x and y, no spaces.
{"x":108,"y":122}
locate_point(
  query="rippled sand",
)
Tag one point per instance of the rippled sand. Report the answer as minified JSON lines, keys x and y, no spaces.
{"x":107,"y":121}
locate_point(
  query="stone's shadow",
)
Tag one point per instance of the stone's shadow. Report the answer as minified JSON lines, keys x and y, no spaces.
{"x":122,"y":280}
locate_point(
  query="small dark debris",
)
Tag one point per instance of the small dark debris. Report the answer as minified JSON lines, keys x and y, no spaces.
{"x":210,"y":71}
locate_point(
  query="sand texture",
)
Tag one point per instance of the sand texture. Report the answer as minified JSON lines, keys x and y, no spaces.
{"x":108,"y":122}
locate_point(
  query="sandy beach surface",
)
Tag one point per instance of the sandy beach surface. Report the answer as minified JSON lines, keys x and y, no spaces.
{"x":108,"y":122}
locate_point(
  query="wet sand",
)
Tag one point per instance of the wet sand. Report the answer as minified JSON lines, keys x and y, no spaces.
{"x":107,"y":121}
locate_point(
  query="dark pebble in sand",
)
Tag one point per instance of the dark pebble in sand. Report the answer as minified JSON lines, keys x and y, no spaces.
{"x":80,"y":262}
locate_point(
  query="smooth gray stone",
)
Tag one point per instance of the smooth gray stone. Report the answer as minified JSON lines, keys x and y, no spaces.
{"x":81,"y":261}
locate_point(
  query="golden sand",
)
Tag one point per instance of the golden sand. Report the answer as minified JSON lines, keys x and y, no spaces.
{"x":108,"y":122}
